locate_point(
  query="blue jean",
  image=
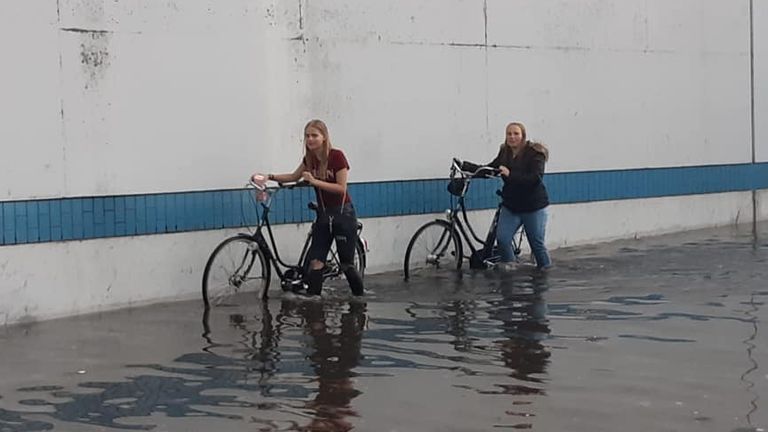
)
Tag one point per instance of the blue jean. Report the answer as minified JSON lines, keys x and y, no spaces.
{"x":535,"y":224}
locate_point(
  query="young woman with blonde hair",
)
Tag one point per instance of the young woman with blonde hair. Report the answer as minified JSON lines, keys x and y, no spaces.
{"x":327,"y":170}
{"x":524,"y":196}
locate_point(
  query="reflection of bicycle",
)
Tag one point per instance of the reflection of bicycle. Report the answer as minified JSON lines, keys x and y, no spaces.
{"x":243,"y":263}
{"x":438,"y":246}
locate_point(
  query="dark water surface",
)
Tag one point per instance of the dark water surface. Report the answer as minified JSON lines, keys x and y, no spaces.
{"x":659,"y":334}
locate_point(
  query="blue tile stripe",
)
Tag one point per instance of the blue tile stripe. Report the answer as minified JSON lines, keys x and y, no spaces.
{"x":64,"y":219}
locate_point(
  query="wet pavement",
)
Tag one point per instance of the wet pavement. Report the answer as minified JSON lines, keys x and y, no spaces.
{"x":660,"y":334}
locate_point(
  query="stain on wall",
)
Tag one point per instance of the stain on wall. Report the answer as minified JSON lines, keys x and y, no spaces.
{"x":94,"y":57}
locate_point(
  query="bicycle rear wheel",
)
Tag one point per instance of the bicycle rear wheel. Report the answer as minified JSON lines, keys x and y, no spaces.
{"x":434,"y":248}
{"x":360,"y":258}
{"x":237,"y":266}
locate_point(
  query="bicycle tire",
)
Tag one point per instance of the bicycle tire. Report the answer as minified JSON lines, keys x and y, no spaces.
{"x":448,"y":245}
{"x":231,"y":267}
{"x":362,"y":259}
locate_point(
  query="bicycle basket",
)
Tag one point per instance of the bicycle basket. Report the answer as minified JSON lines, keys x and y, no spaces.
{"x":259,"y":181}
{"x":261,"y":195}
{"x":456,"y":186}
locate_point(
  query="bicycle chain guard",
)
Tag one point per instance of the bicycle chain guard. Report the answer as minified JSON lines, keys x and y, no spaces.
{"x":292,"y":280}
{"x":477,"y":261}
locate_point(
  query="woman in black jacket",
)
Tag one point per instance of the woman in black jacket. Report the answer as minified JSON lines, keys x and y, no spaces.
{"x":524,"y":196}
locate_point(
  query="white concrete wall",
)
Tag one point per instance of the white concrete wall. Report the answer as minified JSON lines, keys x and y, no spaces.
{"x":30,"y":88}
{"x":761,"y":83}
{"x":761,"y":209}
{"x":114,"y":97}
{"x":103,"y":98}
{"x":606,"y":84}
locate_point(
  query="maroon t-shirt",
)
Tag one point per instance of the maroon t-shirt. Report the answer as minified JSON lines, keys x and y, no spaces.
{"x":336,"y":162}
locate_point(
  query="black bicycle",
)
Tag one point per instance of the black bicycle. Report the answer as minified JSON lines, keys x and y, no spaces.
{"x":439,"y":245}
{"x":243,"y":263}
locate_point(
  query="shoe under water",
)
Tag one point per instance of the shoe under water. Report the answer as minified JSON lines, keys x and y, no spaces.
{"x":508,"y":266}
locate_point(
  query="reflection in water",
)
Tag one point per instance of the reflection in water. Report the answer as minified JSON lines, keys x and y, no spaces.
{"x":509,"y":327}
{"x":330,"y":350}
{"x":753,"y":366}
{"x":334,"y":353}
{"x":292,"y":365}
{"x":13,"y":422}
{"x":522,"y":311}
{"x":244,"y":360}
{"x":484,"y":341}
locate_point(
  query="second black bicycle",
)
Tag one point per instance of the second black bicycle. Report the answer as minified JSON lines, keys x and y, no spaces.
{"x":439,"y":245}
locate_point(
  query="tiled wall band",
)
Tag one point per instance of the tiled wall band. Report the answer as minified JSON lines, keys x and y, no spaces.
{"x":35,"y":221}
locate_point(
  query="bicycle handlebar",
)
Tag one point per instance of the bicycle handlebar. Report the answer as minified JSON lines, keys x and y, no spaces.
{"x":477,"y":171}
{"x":280,"y":185}
{"x":291,"y":185}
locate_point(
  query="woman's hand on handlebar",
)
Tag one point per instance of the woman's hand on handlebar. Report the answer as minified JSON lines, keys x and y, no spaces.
{"x":504,"y":171}
{"x":307,"y":177}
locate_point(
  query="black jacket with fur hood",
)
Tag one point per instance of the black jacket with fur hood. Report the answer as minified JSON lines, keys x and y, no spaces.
{"x":524,"y":189}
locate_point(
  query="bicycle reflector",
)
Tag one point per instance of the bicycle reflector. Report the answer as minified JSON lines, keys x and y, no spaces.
{"x":456,"y":186}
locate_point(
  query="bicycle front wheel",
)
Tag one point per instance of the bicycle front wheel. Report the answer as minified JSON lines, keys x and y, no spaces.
{"x":236,"y":267}
{"x":434,"y":248}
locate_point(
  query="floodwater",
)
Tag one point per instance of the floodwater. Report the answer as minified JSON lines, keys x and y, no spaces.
{"x":657,"y":334}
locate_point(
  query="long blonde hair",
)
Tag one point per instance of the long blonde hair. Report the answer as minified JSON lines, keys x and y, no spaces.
{"x":318,"y":165}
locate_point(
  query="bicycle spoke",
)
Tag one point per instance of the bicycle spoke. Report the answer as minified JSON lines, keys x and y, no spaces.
{"x":236,"y":267}
{"x":434,"y":248}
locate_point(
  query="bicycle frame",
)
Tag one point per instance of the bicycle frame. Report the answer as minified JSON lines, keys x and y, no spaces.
{"x":272,"y":254}
{"x":465,"y":230}
{"x":271,"y":251}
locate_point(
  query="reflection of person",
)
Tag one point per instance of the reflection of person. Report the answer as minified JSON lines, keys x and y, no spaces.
{"x":327,"y":169}
{"x":460,"y":314}
{"x":524,"y":196}
{"x":525,"y":325}
{"x":335,"y":353}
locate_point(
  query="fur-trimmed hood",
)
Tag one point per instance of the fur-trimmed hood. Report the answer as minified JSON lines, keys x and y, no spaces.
{"x":541,"y":148}
{"x":534,"y":145}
